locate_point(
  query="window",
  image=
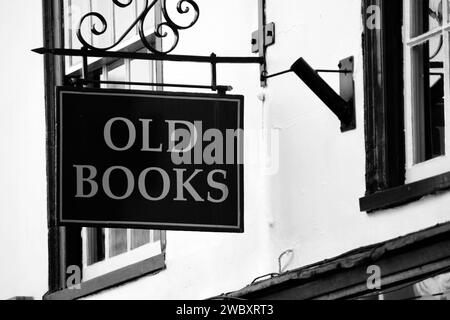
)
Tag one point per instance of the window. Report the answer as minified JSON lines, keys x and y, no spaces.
{"x":107,"y":250}
{"x":436,"y":287}
{"x":104,"y":251}
{"x":406,"y":82}
{"x":427,"y":74}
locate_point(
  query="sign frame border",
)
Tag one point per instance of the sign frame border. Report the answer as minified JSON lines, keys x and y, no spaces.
{"x":239,"y":228}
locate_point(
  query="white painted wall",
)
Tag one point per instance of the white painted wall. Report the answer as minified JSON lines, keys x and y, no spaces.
{"x":23,"y":215}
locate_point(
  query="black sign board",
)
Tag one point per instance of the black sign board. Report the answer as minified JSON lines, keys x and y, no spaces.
{"x":150,"y":160}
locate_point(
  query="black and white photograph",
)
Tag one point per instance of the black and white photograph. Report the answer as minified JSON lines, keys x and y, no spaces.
{"x":224,"y":155}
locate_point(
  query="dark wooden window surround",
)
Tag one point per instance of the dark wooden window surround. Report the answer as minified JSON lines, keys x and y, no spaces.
{"x":65,"y":243}
{"x":384,"y":115}
{"x":110,"y":280}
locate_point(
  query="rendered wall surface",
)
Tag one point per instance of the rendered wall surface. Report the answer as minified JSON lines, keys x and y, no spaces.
{"x":23,"y":207}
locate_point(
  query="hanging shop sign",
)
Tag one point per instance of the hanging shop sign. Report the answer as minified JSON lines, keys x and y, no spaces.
{"x":137,"y":159}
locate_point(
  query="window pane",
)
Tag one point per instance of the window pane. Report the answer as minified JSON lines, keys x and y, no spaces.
{"x":428,"y":109}
{"x":95,"y":245}
{"x":156,"y":236}
{"x":141,"y":72}
{"x":123,"y":19}
{"x":75,"y":10}
{"x":116,"y":72}
{"x":426,"y":16}
{"x":139,"y":238}
{"x":149,"y":24}
{"x":67,"y":28}
{"x":117,"y":242}
{"x":448,"y":11}
{"x":105,"y":9}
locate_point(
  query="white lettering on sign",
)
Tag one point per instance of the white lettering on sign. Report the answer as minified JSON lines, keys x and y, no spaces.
{"x":131,"y":130}
{"x":145,"y":136}
{"x":166,"y":184}
{"x":219,"y":186}
{"x":107,"y":185}
{"x":185,"y":143}
{"x":82,"y":180}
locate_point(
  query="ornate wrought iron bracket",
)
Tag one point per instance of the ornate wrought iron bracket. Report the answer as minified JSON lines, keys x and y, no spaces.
{"x":162,"y":30}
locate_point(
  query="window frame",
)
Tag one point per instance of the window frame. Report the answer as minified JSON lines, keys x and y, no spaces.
{"x":384,"y":111}
{"x":417,"y":171}
{"x":150,"y":266}
{"x":113,"y":263}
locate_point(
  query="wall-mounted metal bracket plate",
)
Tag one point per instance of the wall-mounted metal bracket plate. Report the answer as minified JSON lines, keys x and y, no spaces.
{"x":347,"y":90}
{"x":269,"y":37}
{"x":262,"y":38}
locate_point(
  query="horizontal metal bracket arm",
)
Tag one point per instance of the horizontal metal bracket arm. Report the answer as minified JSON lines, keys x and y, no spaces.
{"x":212,"y":59}
{"x":149,"y":56}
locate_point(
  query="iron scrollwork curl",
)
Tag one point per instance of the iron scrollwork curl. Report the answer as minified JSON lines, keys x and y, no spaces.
{"x":161,"y":30}
{"x":183,"y":7}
